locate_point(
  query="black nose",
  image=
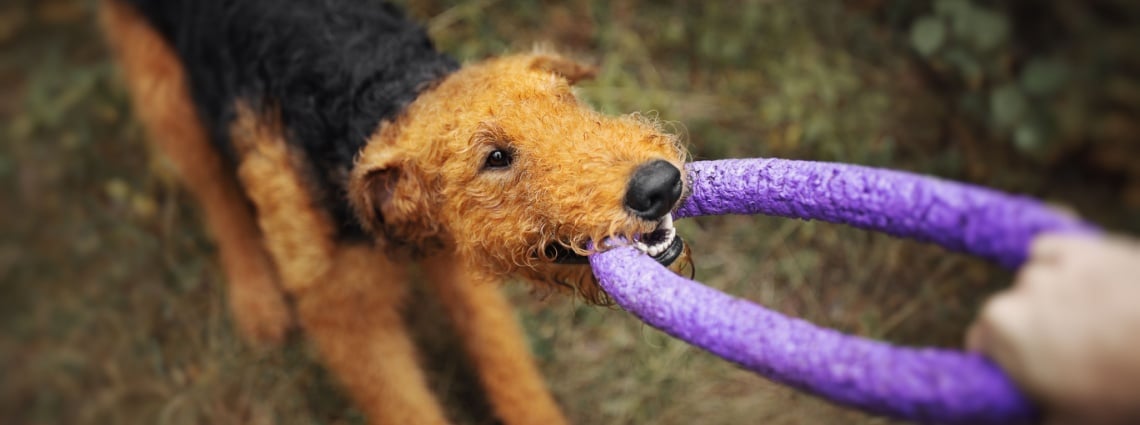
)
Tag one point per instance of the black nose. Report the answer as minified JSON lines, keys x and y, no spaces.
{"x":653,"y":189}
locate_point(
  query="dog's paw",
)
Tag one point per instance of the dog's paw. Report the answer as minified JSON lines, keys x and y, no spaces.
{"x":261,"y":313}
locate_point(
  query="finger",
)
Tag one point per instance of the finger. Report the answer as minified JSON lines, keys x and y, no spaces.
{"x":1000,"y":330}
{"x":1048,"y":248}
{"x":977,"y":337}
{"x":1033,"y":277}
{"x":1055,"y":247}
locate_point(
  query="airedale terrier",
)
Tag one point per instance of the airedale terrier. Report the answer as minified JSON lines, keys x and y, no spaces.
{"x":328,"y":142}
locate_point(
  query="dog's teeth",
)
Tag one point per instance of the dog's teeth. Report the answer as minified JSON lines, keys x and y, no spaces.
{"x":658,"y":248}
{"x":668,"y":233}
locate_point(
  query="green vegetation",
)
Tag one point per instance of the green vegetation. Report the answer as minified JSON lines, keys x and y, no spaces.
{"x":111,"y":303}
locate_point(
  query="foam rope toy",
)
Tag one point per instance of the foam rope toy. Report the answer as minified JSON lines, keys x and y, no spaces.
{"x":920,"y":384}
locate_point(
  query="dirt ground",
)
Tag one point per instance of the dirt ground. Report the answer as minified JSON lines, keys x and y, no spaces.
{"x":112,"y":308}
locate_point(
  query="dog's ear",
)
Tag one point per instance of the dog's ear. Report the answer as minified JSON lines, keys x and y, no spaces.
{"x":390,"y":200}
{"x":566,"y":68}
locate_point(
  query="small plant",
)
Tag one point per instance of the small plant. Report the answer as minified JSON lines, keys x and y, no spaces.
{"x":1051,"y":77}
{"x":972,"y":43}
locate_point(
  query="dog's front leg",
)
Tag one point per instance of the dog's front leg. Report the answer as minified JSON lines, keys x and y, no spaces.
{"x":348,"y":296}
{"x":353,"y":315}
{"x":164,"y":106}
{"x":496,"y":343}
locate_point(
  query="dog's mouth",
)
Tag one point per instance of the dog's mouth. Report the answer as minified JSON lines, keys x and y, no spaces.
{"x":662,"y":244}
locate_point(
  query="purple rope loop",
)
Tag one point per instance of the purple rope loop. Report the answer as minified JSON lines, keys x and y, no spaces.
{"x":921,"y":384}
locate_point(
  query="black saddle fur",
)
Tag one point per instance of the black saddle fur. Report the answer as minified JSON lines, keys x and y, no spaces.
{"x":334,"y":68}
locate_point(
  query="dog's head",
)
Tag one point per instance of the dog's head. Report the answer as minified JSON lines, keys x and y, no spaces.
{"x":502,"y":163}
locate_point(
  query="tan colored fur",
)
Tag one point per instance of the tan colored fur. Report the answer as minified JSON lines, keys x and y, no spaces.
{"x":302,"y":236}
{"x":566,"y":186}
{"x":495,"y":342}
{"x":155,"y":79}
{"x":348,"y":295}
{"x":420,"y":188}
{"x":348,"y":298}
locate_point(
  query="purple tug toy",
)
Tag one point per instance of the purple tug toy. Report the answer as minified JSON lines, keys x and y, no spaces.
{"x":920,"y":384}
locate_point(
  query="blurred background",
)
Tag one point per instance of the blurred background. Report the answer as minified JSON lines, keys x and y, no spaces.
{"x":112,"y":308}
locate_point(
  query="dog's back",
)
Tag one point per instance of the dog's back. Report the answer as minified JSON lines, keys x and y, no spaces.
{"x":333,"y":68}
{"x":499,"y":170}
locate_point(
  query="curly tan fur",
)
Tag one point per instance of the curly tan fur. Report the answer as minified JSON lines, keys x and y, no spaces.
{"x":419,"y":186}
{"x":302,"y":236}
{"x":348,"y":295}
{"x":419,"y":181}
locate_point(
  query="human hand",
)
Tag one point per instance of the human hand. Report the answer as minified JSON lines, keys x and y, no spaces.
{"x":1068,"y":331}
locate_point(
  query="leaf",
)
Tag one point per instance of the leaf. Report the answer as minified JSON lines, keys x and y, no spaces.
{"x":927,"y":35}
{"x":988,"y":29}
{"x":951,"y":8}
{"x":966,"y":64}
{"x":1043,"y":76}
{"x":1028,"y":138}
{"x":1007,"y":105}
{"x":961,"y":17}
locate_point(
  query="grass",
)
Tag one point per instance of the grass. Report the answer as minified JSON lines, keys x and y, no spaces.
{"x":112,"y":307}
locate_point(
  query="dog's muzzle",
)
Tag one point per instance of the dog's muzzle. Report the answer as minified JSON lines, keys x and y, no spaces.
{"x":663,"y":245}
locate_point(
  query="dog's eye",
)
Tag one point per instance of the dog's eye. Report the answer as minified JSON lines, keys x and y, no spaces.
{"x":499,"y":158}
